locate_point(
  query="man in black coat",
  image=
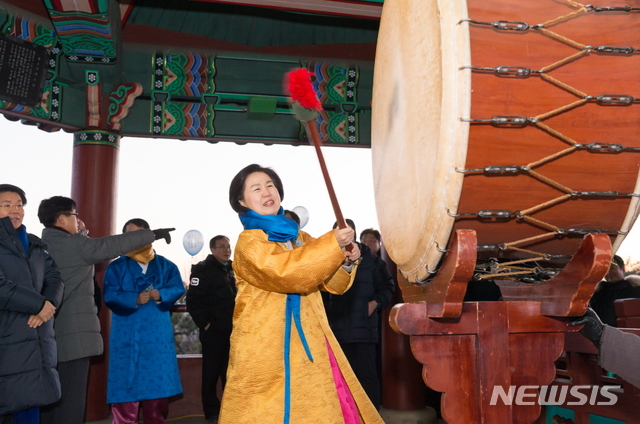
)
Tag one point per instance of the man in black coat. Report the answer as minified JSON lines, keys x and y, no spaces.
{"x":210,"y":302}
{"x":614,"y":287}
{"x":30,"y":292}
{"x":354,"y":317}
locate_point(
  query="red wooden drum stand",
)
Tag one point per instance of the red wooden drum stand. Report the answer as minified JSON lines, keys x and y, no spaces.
{"x":470,"y":349}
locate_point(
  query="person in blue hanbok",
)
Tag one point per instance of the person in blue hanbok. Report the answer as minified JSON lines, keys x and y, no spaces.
{"x":140,"y":288}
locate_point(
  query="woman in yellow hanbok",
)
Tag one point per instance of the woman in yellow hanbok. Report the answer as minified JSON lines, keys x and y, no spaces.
{"x":285,"y":364}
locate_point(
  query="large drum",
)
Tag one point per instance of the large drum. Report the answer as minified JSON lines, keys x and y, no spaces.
{"x":519,"y":119}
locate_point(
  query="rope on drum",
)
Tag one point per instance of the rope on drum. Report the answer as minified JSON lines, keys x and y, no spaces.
{"x":507,"y":269}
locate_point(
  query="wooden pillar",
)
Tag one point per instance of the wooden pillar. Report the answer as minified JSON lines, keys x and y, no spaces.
{"x":93,"y":187}
{"x":402,"y":385}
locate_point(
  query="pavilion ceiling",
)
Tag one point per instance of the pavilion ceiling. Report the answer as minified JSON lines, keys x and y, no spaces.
{"x":204,"y":69}
{"x":358,"y":8}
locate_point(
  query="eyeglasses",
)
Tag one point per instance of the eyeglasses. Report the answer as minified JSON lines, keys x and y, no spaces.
{"x":69,"y":213}
{"x":222,"y":247}
{"x":17,"y":207}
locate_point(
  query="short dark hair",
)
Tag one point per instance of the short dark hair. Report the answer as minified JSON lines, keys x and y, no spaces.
{"x":236,"y":189}
{"x":138,"y":222}
{"x":371,"y":231}
{"x":212,"y":242}
{"x":349,"y":222}
{"x":294,"y":216}
{"x":50,"y":209}
{"x":618,"y":261}
{"x":10,"y":188}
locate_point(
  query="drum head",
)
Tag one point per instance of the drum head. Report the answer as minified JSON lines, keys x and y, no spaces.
{"x":418,"y":139}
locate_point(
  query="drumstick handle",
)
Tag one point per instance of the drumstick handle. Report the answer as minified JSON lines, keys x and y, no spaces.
{"x":314,"y":137}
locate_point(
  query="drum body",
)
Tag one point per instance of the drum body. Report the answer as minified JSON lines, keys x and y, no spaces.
{"x":519,"y":119}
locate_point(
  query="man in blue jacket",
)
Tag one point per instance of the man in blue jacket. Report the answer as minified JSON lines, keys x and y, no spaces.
{"x":30,"y":292}
{"x":140,"y":288}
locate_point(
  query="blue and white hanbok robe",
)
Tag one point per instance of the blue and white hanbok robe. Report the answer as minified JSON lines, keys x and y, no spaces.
{"x":142,"y":354}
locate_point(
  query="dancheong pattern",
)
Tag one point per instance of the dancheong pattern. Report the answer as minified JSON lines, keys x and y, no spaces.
{"x":336,"y":85}
{"x":180,"y":77}
{"x":84,"y":29}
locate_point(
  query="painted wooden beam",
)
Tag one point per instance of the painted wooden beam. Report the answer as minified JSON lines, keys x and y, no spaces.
{"x":329,"y":7}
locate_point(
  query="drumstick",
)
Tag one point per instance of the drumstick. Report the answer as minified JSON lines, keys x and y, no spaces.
{"x":305,"y":106}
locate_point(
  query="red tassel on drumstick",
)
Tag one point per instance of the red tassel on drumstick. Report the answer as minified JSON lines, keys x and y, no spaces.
{"x":306,"y":107}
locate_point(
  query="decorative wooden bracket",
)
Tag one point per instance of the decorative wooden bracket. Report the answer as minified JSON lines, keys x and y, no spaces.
{"x":491,"y":345}
{"x":569,"y":292}
{"x":120,"y":101}
{"x":94,"y":96}
{"x":445,"y":293}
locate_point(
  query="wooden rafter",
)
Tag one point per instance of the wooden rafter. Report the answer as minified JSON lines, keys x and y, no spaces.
{"x":329,"y":7}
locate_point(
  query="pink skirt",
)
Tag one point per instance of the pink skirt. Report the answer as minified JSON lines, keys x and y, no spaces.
{"x":348,"y":405}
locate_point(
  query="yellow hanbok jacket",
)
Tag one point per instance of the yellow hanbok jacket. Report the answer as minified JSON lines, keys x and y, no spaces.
{"x":266,"y":272}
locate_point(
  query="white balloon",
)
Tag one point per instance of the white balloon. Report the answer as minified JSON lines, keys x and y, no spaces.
{"x":193,"y":241}
{"x":303,"y":214}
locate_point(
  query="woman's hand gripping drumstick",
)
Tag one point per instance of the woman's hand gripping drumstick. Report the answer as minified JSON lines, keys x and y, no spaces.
{"x":305,"y":106}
